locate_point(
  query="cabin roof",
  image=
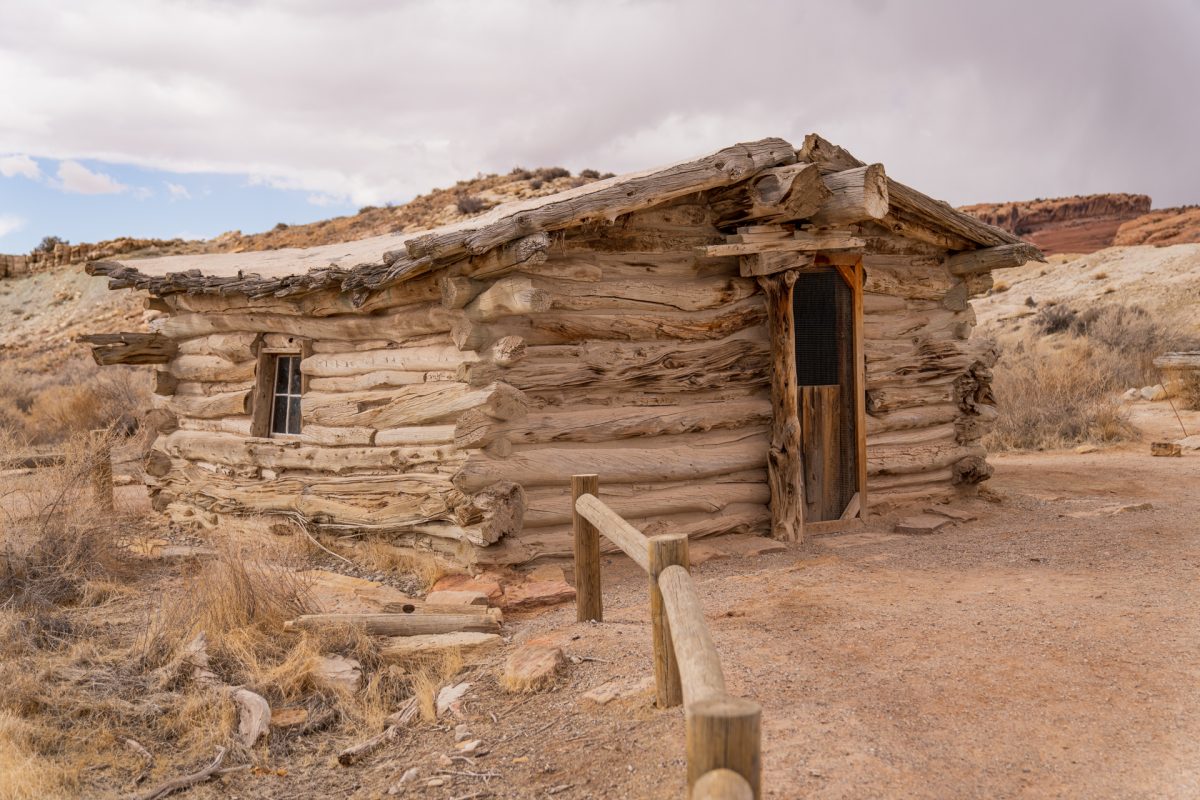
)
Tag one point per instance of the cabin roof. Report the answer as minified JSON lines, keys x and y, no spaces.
{"x":363,"y":265}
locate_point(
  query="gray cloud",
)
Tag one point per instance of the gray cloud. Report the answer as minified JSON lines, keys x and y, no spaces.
{"x":379,"y":100}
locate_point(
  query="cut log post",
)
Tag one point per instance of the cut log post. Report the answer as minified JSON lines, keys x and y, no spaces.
{"x":589,"y":604}
{"x":695,"y":654}
{"x":786,"y":461}
{"x":977,"y":262}
{"x":665,"y":551}
{"x":130,"y":348}
{"x":631,"y":541}
{"x":102,"y":474}
{"x":856,"y":195}
{"x":722,"y":784}
{"x":724,"y":733}
{"x":403,"y":624}
{"x":508,"y":296}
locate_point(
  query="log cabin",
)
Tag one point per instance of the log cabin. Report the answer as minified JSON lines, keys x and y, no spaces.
{"x":766,"y":340}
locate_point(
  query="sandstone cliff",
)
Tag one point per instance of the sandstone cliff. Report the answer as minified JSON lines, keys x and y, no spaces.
{"x":1081,"y":224}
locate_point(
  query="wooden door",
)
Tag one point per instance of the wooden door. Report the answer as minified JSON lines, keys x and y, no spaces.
{"x":824,"y":308}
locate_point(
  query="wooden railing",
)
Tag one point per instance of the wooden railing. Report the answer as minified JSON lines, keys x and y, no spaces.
{"x":723,"y":732}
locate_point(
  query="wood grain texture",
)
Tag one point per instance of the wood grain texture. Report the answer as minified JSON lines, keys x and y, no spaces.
{"x":785,"y":458}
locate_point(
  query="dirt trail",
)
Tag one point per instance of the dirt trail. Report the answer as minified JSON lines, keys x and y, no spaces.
{"x":1045,"y":650}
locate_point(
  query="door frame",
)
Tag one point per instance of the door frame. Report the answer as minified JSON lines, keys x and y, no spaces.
{"x":785,"y":463}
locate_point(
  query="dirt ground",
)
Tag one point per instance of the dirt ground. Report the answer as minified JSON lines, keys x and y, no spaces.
{"x":1044,"y":650}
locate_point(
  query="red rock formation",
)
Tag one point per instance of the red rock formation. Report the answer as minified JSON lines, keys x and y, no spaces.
{"x":1162,"y":227}
{"x":1081,"y":224}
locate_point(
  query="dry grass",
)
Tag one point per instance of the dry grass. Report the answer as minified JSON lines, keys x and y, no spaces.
{"x":1189,"y":391}
{"x":383,"y":557}
{"x":429,"y":675}
{"x":46,"y":407}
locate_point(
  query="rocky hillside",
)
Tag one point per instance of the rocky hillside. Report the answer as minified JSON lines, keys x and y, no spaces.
{"x":1163,"y":227}
{"x":438,"y":207}
{"x":1081,"y":224}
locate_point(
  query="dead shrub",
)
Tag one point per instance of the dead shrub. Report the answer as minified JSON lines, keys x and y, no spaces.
{"x":1054,"y":319}
{"x":1189,"y":391}
{"x":1050,"y":398}
{"x":470,"y":204}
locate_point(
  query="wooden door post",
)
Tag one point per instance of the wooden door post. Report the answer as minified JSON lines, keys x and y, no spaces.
{"x":588,"y":602}
{"x":725,"y":733}
{"x":665,"y":551}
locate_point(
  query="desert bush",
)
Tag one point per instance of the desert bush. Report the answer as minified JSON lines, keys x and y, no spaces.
{"x":590,"y":174}
{"x":470,"y":204}
{"x":536,"y":184}
{"x":551,"y":173}
{"x":1050,"y":398}
{"x":50,"y":407}
{"x":1189,"y":391}
{"x":1136,"y":336}
{"x":1054,"y":319}
{"x":48,"y":244}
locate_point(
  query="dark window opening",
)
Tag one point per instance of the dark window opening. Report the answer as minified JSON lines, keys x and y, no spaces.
{"x":285,"y":396}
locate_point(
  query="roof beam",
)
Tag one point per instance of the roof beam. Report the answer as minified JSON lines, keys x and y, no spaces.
{"x":977,"y":262}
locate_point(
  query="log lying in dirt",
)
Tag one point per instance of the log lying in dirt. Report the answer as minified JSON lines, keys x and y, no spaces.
{"x":403,"y":624}
{"x":357,"y":752}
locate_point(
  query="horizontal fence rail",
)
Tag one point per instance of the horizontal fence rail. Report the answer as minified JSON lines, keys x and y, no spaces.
{"x":723,"y":732}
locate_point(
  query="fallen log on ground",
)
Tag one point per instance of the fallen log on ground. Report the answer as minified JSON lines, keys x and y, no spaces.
{"x":403,"y":624}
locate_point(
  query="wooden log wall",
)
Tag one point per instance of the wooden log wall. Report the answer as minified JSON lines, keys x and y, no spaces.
{"x":929,"y":399}
{"x":450,"y":414}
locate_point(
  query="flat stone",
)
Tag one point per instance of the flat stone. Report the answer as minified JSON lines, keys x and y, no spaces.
{"x":1170,"y":449}
{"x":922,"y":523}
{"x":532,"y":667}
{"x":465,"y":583}
{"x":1129,"y":509}
{"x":620,"y":689}
{"x":547,"y":572}
{"x":533,"y":594}
{"x":335,"y":593}
{"x":463,"y":597}
{"x":746,"y":546}
{"x":1190,"y":443}
{"x":339,"y":672}
{"x":406,"y":648}
{"x":1084,"y":449}
{"x":288,"y":717}
{"x":957,"y":514}
{"x":700,"y":552}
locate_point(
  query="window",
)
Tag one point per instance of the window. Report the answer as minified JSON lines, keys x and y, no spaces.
{"x":285,"y":397}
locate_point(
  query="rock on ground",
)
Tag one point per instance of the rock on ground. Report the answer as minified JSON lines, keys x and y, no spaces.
{"x":532,"y":667}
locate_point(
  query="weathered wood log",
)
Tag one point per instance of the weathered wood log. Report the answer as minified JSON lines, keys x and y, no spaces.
{"x":603,"y":199}
{"x":515,"y":294}
{"x":210,"y":368}
{"x":377,"y":380}
{"x":321,"y":303}
{"x":209,"y":388}
{"x":631,"y":293}
{"x":130,"y":348}
{"x":649,"y":366}
{"x":239,"y":425}
{"x":254,"y":715}
{"x":225,"y":404}
{"x":613,"y":527}
{"x":417,"y":359}
{"x":165,"y":383}
{"x":666,"y":551}
{"x":457,"y":290}
{"x":791,"y":192}
{"x":337,"y":437}
{"x":1178,"y":361}
{"x":474,"y":429}
{"x":785,"y":459}
{"x":689,"y":458}
{"x":549,"y":506}
{"x":497,"y":511}
{"x":229,"y":346}
{"x":699,"y":662}
{"x":920,"y":458}
{"x":411,"y":405}
{"x":419,"y":434}
{"x":589,"y":602}
{"x":915,"y":205}
{"x":523,"y":253}
{"x":722,"y":784}
{"x":793,"y":242}
{"x":1003,"y":256}
{"x":417,"y":321}
{"x":725,"y":733}
{"x":402,"y":624}
{"x":856,"y":194}
{"x":220,"y":448}
{"x":563,"y":327}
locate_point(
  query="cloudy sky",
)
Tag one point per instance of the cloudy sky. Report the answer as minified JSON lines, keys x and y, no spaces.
{"x":190,"y":118}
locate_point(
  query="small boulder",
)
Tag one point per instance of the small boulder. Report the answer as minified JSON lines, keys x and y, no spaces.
{"x":465,"y":583}
{"x":1084,"y":449}
{"x":531,"y":668}
{"x":338,"y":672}
{"x":1153,"y":393}
{"x":1190,"y":442}
{"x":460,"y":597}
{"x":922,"y":523}
{"x":1170,"y":449}
{"x":620,"y":689}
{"x":1132,"y":394}
{"x":547,"y":572}
{"x":533,"y":594}
{"x":450,"y":696}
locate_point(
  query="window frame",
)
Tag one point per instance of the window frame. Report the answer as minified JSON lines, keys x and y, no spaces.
{"x":262,"y":403}
{"x":278,"y":360}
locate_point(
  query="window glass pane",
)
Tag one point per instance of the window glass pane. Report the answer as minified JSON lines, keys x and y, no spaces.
{"x":295,"y":374}
{"x":281,"y":374}
{"x":279,"y":415}
{"x":294,"y":415}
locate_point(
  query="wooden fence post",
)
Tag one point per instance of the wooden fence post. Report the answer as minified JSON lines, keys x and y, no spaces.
{"x":665,"y":551}
{"x":102,"y":473}
{"x":588,"y":602}
{"x":724,"y":733}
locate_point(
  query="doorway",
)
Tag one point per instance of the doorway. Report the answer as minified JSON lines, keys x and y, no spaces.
{"x":826,"y":308}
